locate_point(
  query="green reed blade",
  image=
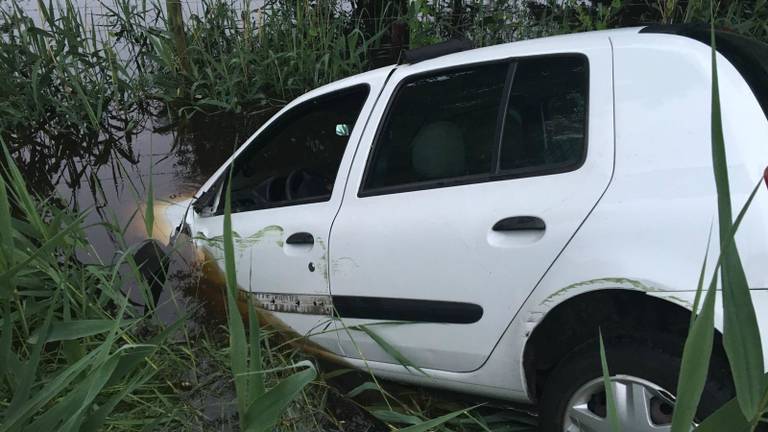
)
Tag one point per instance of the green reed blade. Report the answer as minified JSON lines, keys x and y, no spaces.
{"x":741,"y":334}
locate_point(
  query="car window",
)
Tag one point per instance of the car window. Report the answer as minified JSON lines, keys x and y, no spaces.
{"x":544,"y":124}
{"x":440,"y":126}
{"x":296,"y":159}
{"x":515,"y":118}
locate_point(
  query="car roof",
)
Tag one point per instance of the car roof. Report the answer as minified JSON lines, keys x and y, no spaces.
{"x":458,"y":57}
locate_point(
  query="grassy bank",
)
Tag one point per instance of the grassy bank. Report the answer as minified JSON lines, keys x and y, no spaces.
{"x":83,"y":346}
{"x":86,"y":343}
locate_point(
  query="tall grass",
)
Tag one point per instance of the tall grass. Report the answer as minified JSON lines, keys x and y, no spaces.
{"x":77,"y":353}
{"x":244,"y":59}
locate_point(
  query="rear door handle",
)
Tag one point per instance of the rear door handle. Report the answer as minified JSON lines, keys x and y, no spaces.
{"x":300,"y":238}
{"x":520,"y":223}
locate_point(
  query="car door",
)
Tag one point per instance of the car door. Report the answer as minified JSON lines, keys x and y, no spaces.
{"x":287,"y":185}
{"x":481,"y":169}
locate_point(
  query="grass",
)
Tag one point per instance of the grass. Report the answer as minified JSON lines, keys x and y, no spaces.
{"x":76,"y":353}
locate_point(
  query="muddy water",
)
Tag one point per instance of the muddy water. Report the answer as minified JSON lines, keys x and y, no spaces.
{"x":108,"y":178}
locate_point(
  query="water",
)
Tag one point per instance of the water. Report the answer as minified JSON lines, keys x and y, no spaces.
{"x":107,"y":176}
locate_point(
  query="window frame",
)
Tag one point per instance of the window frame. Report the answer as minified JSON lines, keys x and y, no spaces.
{"x":496,"y":174}
{"x":218,"y":201}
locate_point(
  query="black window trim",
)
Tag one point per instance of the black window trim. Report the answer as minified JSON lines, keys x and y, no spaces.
{"x":497,"y":174}
{"x":298,"y":108}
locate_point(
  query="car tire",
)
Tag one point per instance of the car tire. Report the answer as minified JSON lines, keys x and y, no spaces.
{"x":652,"y":363}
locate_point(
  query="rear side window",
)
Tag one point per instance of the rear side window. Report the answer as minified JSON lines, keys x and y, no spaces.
{"x":483,"y":122}
{"x":296,"y":159}
{"x":545,"y":119}
{"x":440,"y":127}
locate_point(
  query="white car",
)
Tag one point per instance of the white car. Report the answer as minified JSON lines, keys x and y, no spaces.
{"x":501,"y":206}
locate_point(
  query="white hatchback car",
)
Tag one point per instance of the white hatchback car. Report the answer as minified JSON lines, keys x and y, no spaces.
{"x":501,"y":205}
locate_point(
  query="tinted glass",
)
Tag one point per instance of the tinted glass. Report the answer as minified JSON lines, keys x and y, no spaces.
{"x":439,"y":127}
{"x":545,"y":119}
{"x":297,"y":158}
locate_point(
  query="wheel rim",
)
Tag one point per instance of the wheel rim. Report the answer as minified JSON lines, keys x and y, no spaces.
{"x":641,"y":406}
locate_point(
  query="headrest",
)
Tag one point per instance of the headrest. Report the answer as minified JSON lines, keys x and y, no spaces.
{"x":438,"y":151}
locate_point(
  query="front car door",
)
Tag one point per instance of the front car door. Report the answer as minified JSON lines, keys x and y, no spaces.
{"x":477,"y":176}
{"x":287,"y":184}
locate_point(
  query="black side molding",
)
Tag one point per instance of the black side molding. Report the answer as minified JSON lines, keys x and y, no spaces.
{"x":398,"y":309}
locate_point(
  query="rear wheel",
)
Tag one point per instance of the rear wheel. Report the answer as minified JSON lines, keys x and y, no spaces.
{"x":644,"y":377}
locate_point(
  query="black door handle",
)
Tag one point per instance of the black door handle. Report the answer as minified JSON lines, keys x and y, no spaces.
{"x":300,"y":238}
{"x":520,"y":223}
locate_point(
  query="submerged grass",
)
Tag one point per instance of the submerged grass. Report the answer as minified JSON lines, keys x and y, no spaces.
{"x":78,"y":353}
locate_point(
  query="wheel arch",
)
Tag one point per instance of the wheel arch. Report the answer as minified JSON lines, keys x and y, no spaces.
{"x":576,"y":320}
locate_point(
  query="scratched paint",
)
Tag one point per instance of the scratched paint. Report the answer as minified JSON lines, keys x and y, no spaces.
{"x":343,"y":265}
{"x":538,"y":313}
{"x":271,"y":232}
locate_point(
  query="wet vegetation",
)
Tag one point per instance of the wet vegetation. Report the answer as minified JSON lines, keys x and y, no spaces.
{"x":98,"y":104}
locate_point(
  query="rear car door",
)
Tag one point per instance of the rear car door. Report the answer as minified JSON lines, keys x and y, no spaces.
{"x":481,"y":169}
{"x":287,"y":185}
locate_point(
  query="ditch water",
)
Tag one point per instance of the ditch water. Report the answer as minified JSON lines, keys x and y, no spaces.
{"x":108,"y":176}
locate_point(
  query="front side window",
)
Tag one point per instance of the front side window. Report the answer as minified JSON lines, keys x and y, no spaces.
{"x":483,"y":122}
{"x":296,"y":159}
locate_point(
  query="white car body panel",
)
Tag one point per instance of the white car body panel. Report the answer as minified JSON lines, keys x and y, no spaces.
{"x":265,"y":262}
{"x":442,"y":246}
{"x":635,"y":216}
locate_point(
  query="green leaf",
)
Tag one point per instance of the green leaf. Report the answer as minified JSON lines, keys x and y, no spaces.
{"x":92,"y":385}
{"x":266,"y":410}
{"x":388,"y":348}
{"x":27,"y":374}
{"x":149,"y":206}
{"x":70,"y":330}
{"x":48,"y":392}
{"x":695,"y":363}
{"x":368,"y":385}
{"x":431,"y":424}
{"x":6,"y":239}
{"x":96,"y":421}
{"x":741,"y":335}
{"x":255,"y":380}
{"x":238,"y":346}
{"x":49,"y":245}
{"x":5,"y":339}
{"x":613,"y":416}
{"x":727,"y":418}
{"x":390,"y":416}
